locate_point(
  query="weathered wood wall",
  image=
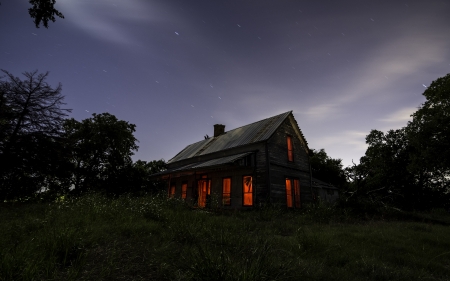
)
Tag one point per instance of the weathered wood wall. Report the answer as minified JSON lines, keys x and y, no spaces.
{"x":268,"y":178}
{"x":281,"y":168}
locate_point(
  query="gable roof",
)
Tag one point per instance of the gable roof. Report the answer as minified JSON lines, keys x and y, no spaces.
{"x":222,"y":161}
{"x":251,"y":133}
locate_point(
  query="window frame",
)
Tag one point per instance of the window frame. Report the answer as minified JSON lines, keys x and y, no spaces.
{"x":184,"y":192}
{"x":223,"y":192}
{"x":290,"y":152}
{"x":172,"y":190}
{"x":295,"y":192}
{"x":244,"y":193}
{"x":208,"y":191}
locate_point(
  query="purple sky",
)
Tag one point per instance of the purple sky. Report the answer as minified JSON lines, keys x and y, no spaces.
{"x":176,"y":67}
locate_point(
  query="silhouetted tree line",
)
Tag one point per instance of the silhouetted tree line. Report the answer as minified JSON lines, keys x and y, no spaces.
{"x":43,"y":153}
{"x":327,"y":169}
{"x":408,"y":168}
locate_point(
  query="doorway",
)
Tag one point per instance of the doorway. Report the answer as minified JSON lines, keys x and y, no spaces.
{"x":204,"y":192}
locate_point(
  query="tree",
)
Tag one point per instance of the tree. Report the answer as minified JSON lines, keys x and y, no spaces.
{"x":327,"y":169}
{"x":409,"y":168}
{"x":43,"y":11}
{"x":138,"y":177}
{"x":388,"y":179}
{"x":31,"y":107}
{"x":100,"y":152}
{"x":429,"y":133}
{"x":30,"y":129}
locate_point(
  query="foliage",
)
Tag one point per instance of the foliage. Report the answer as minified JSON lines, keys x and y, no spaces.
{"x":31,"y":120}
{"x":429,"y":134}
{"x":137,"y":177}
{"x":327,"y":169}
{"x":43,"y":155}
{"x":43,"y":11}
{"x":100,"y":152}
{"x":408,"y":168}
{"x":95,"y":237}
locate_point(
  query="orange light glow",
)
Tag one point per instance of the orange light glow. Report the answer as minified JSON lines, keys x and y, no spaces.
{"x":248,"y":191}
{"x":288,"y":193}
{"x":297,"y":193}
{"x":204,"y":190}
{"x":226,"y":195}
{"x":172,"y":191}
{"x":183,"y":190}
{"x":290,"y":149}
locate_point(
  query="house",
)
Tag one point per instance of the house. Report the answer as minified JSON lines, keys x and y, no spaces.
{"x":266,"y":161}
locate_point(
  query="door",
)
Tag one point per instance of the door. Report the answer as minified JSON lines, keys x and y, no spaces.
{"x":204,"y":192}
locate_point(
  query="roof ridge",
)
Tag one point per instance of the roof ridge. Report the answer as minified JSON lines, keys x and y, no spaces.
{"x":258,"y":121}
{"x":205,"y":147}
{"x":243,"y":135}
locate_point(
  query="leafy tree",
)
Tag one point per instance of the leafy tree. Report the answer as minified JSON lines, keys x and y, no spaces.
{"x":100,"y":151}
{"x":388,"y":180}
{"x":31,"y":121}
{"x":43,"y":11}
{"x":138,"y":177}
{"x":410,"y":167}
{"x":327,"y":169}
{"x":429,"y":133}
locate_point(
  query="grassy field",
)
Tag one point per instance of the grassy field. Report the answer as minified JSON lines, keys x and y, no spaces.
{"x":153,"y":238}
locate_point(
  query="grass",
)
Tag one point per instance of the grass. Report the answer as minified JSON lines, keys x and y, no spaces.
{"x":154,"y":238}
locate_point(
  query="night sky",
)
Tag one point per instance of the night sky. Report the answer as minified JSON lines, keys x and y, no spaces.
{"x":176,"y":67}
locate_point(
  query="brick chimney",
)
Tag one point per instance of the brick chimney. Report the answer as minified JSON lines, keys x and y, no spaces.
{"x":219,"y":129}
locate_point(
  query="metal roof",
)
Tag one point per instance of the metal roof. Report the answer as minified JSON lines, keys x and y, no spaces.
{"x":255,"y":132}
{"x":207,"y":164}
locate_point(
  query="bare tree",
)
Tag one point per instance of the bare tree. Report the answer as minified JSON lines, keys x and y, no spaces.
{"x":34,"y":106}
{"x":31,"y":120}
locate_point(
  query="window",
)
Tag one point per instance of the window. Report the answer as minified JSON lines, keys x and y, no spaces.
{"x":226,"y":191}
{"x":293,"y":193}
{"x":247,"y":191}
{"x":290,"y":149}
{"x":172,"y":191}
{"x":183,"y":190}
{"x":204,"y":192}
{"x":297,"y":193}
{"x":288,"y":193}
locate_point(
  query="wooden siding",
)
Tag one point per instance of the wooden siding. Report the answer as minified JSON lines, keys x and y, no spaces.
{"x":216,"y":178}
{"x":270,"y":169}
{"x":281,"y":168}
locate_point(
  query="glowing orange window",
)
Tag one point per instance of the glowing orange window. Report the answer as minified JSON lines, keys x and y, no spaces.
{"x":288,"y":193}
{"x":226,"y":191}
{"x":172,"y":191}
{"x":204,"y":191}
{"x":290,"y":149}
{"x":297,"y":193}
{"x":293,"y":193}
{"x":247,"y":191}
{"x":183,"y":190}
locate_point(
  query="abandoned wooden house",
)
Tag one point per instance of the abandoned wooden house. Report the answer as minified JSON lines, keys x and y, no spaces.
{"x":266,"y":161}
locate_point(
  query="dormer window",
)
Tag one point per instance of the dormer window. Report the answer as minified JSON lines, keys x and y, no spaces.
{"x":290,"y":149}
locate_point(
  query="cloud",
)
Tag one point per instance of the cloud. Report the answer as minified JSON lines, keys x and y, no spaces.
{"x":384,"y":70}
{"x":321,"y":111}
{"x":400,"y":116}
{"x":348,"y":145}
{"x":105,"y":19}
{"x":356,"y":139}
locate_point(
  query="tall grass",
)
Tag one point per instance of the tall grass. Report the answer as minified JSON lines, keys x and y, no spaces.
{"x":155,"y":238}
